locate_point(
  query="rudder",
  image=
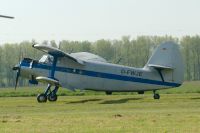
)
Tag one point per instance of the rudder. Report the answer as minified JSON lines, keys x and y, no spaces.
{"x":167,"y":58}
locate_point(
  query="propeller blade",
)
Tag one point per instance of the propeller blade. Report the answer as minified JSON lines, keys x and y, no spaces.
{"x":17,"y":67}
{"x":17,"y":78}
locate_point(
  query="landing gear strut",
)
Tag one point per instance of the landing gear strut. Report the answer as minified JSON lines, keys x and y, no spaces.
{"x":48,"y":94}
{"x":156,"y":95}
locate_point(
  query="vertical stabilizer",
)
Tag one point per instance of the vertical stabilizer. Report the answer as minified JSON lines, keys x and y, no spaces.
{"x":167,"y":60}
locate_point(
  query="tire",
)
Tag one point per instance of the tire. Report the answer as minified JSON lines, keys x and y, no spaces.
{"x":52,"y":97}
{"x":42,"y":98}
{"x":108,"y":92}
{"x":140,"y":92}
{"x":156,"y":96}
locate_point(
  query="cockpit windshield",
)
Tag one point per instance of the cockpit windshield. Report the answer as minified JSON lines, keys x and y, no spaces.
{"x":46,"y":59}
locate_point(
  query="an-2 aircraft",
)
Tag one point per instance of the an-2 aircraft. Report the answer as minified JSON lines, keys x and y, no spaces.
{"x":84,"y":70}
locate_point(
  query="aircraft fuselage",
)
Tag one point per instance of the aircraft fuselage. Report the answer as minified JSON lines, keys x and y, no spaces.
{"x":99,"y":76}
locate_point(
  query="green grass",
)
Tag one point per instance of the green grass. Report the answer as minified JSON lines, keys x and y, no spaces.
{"x":178,"y":110}
{"x":100,"y":113}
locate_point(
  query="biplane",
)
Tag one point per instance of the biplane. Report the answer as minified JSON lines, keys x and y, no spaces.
{"x":87,"y":71}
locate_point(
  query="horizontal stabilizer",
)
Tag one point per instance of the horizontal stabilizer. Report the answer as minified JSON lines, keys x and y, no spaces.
{"x":48,"y":81}
{"x":160,"y":66}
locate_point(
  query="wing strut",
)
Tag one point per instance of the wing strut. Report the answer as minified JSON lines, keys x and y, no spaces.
{"x":53,"y":69}
{"x":160,"y":73}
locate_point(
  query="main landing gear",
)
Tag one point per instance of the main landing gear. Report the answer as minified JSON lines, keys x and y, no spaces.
{"x":48,"y":94}
{"x":156,"y":95}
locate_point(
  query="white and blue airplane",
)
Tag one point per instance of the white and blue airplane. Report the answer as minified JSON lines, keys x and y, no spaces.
{"x":87,"y":71}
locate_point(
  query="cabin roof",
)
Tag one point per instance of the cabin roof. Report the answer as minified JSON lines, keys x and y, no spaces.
{"x":88,"y":57}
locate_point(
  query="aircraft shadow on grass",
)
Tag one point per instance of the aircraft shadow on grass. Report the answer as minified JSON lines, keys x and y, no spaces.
{"x":195,"y":98}
{"x":119,"y":101}
{"x":83,"y":101}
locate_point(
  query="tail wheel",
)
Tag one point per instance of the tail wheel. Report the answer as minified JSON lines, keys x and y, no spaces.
{"x":41,"y":98}
{"x":52,"y":97}
{"x":156,"y":96}
{"x":140,"y":92}
{"x":108,"y":92}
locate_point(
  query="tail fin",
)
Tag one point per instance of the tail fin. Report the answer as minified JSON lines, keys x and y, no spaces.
{"x":167,"y":60}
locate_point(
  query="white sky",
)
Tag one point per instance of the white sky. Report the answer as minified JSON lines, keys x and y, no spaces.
{"x":96,"y":19}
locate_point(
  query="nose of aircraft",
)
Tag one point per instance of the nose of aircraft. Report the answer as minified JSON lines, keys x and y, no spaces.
{"x":17,"y":68}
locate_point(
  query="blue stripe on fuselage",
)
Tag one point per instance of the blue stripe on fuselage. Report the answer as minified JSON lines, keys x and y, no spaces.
{"x":102,"y":75}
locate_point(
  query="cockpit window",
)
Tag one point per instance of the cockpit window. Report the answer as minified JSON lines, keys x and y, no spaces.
{"x":46,"y":59}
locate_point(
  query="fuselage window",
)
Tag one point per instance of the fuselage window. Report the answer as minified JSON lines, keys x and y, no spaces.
{"x":46,"y":59}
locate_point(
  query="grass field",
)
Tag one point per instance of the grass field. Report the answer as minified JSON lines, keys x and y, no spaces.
{"x":178,"y":110}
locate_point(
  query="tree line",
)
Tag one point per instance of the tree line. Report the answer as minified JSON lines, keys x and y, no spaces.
{"x":124,"y":51}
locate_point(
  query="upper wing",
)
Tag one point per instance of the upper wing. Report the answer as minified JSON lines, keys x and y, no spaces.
{"x":85,"y":56}
{"x":56,"y":52}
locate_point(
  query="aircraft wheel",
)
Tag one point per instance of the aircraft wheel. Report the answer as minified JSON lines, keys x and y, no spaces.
{"x":108,"y":92}
{"x":52,"y":97}
{"x":140,"y":92}
{"x":156,"y":96}
{"x":41,"y":98}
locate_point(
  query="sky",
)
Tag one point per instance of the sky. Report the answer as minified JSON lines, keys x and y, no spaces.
{"x":96,"y":19}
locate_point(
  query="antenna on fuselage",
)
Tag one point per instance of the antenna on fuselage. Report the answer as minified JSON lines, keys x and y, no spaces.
{"x":119,"y":60}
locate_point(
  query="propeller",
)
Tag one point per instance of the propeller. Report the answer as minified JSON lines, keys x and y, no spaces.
{"x":17,"y":67}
